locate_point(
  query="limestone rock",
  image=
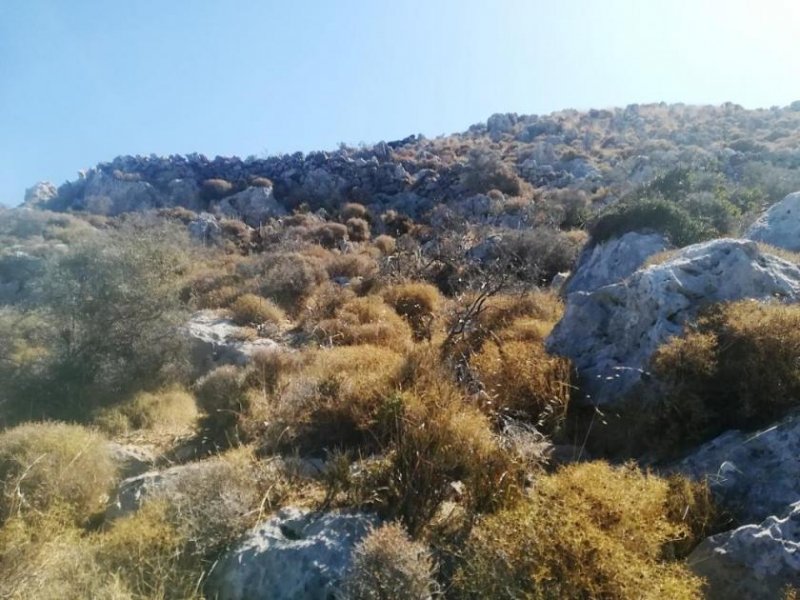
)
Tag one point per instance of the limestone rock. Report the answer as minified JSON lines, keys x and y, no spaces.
{"x":205,"y":228}
{"x":780,"y":225}
{"x":613,"y":260}
{"x":294,"y":555}
{"x":112,"y":195}
{"x":40,"y":194}
{"x":753,"y":561}
{"x":213,"y":341}
{"x":253,"y":205}
{"x":611,"y":333}
{"x":131,"y":460}
{"x":753,"y":475}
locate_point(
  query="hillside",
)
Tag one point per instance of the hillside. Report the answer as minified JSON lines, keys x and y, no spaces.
{"x":549,"y":357}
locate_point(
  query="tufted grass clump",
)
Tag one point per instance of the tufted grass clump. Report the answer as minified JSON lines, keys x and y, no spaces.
{"x":588,"y":531}
{"x":735,"y":368}
{"x":223,"y":396}
{"x":48,"y":465}
{"x":522,"y":380}
{"x":387,"y":565}
{"x":386,"y":244}
{"x":250,"y":309}
{"x":418,"y":303}
{"x":169,"y":411}
{"x":366,"y":320}
{"x":333,"y":401}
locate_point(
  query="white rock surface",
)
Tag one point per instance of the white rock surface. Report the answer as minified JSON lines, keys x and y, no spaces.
{"x":294,"y":555}
{"x":779,"y":225}
{"x":754,"y":561}
{"x":254,"y":206}
{"x":753,"y":475}
{"x":40,"y":194}
{"x":611,"y":333}
{"x":214,"y":343}
{"x":613,"y":260}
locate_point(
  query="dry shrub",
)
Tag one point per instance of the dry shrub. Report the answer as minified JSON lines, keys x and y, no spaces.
{"x":327,"y":299}
{"x":386,"y":244}
{"x":588,"y":531}
{"x":214,"y":189}
{"x":434,"y":438}
{"x":417,"y":303}
{"x":736,"y":368}
{"x":46,"y":557}
{"x":214,"y":501}
{"x":44,"y":465}
{"x":146,"y":553}
{"x":357,"y":229}
{"x":249,"y":309}
{"x":387,"y":565}
{"x":524,"y":381}
{"x":334,"y":400}
{"x":691,"y":504}
{"x":172,"y":411}
{"x":267,"y":368}
{"x":289,"y":279}
{"x":353,"y":210}
{"x":261,"y":182}
{"x":352,"y":265}
{"x":366,"y":320}
{"x":328,"y":235}
{"x":224,"y":397}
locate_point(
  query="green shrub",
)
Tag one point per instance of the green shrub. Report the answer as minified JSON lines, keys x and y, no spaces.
{"x":53,"y":465}
{"x":485,"y":170}
{"x":223,"y":397}
{"x":387,"y":565}
{"x":658,"y":215}
{"x":249,"y":309}
{"x":588,"y":531}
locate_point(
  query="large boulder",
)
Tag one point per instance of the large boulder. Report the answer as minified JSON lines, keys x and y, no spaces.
{"x":753,"y":475}
{"x":40,"y":194}
{"x":613,"y":260}
{"x":297,"y":554}
{"x":611,"y":333}
{"x":780,"y":225}
{"x":254,"y":206}
{"x":754,"y":561}
{"x":115,"y":194}
{"x":214,"y":342}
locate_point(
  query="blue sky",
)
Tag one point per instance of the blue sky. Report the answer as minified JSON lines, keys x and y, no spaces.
{"x":82,"y":81}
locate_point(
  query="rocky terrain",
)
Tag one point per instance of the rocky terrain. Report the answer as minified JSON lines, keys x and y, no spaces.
{"x":552,"y":356}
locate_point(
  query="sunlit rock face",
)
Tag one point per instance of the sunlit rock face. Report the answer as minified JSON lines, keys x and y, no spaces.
{"x":611,"y":333}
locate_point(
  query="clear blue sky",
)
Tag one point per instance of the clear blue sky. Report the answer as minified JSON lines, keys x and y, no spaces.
{"x":82,"y":81}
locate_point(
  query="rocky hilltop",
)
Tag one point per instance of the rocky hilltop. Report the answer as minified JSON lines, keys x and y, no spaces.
{"x":552,"y":356}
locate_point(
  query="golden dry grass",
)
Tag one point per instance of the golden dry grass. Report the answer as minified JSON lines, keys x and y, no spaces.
{"x":589,"y":531}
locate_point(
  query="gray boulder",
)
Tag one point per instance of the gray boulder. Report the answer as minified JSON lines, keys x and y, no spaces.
{"x":294,"y":555}
{"x":253,"y":205}
{"x":754,"y":561}
{"x":780,"y":225}
{"x":613,"y":260}
{"x":131,"y":460}
{"x":40,"y":194}
{"x":184,"y":192}
{"x":112,"y":195}
{"x":753,"y":475}
{"x":611,"y":333}
{"x":213,"y":342}
{"x":205,"y":229}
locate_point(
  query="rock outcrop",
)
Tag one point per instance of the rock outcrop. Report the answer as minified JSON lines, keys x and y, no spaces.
{"x":611,"y":333}
{"x":753,"y":475}
{"x":214,"y":342}
{"x":613,"y":260}
{"x":754,"y":561}
{"x":295,"y":554}
{"x":254,"y":206}
{"x":780,"y":225}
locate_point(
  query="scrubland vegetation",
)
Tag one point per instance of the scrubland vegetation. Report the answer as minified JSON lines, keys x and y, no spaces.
{"x":409,"y":363}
